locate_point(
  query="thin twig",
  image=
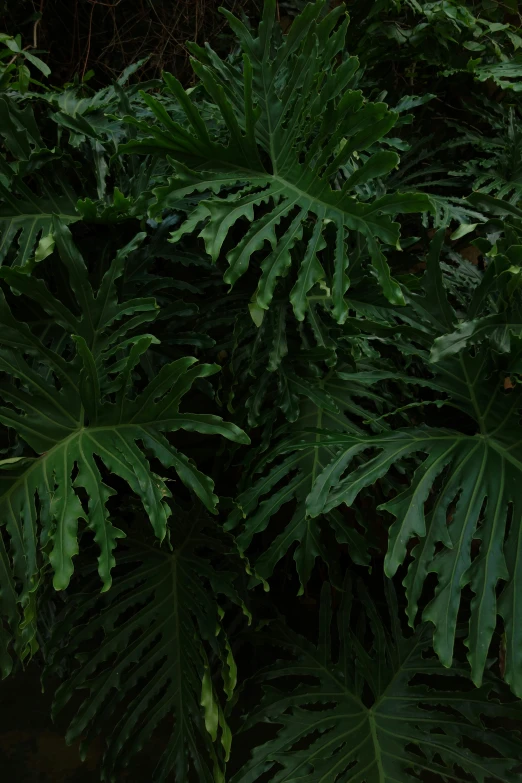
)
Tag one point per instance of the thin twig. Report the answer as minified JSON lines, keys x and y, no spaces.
{"x":107,"y":5}
{"x":35,"y":26}
{"x":88,"y":42}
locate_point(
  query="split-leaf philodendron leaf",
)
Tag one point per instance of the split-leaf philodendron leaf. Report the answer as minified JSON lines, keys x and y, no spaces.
{"x":160,"y":615}
{"x":260,"y":376}
{"x":57,"y":402}
{"x":294,"y":119}
{"x":357,"y":715}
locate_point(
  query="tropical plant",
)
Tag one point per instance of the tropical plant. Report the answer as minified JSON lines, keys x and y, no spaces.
{"x":253,"y":426}
{"x":76,"y":406}
{"x":294,"y":120}
{"x":162,"y":659}
{"x":357,"y":714}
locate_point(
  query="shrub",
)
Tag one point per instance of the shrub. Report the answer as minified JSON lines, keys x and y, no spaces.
{"x":260,"y":357}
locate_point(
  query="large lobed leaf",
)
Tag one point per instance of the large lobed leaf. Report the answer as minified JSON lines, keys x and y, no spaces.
{"x":294,"y":121}
{"x":159,"y":631}
{"x":383,"y":710}
{"x":277,"y":488}
{"x":461,"y":504}
{"x":76,"y":407}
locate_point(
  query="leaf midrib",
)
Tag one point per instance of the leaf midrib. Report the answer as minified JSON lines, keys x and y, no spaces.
{"x":253,"y":175}
{"x":22,"y":217}
{"x":42,"y":458}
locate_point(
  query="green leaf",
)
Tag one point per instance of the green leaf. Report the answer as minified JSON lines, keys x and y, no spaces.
{"x":498,"y":327}
{"x":391,"y":289}
{"x":473,"y":472}
{"x":157,"y":623}
{"x":82,"y":432}
{"x":293,"y":105}
{"x":27,"y":219}
{"x":34,"y":190}
{"x":364,"y":715}
{"x":287,"y":482}
{"x":42,"y":67}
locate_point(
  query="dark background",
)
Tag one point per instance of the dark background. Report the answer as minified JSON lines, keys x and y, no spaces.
{"x":32,"y":748}
{"x":107,"y":35}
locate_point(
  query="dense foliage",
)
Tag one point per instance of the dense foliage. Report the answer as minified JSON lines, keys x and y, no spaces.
{"x":261,"y":347}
